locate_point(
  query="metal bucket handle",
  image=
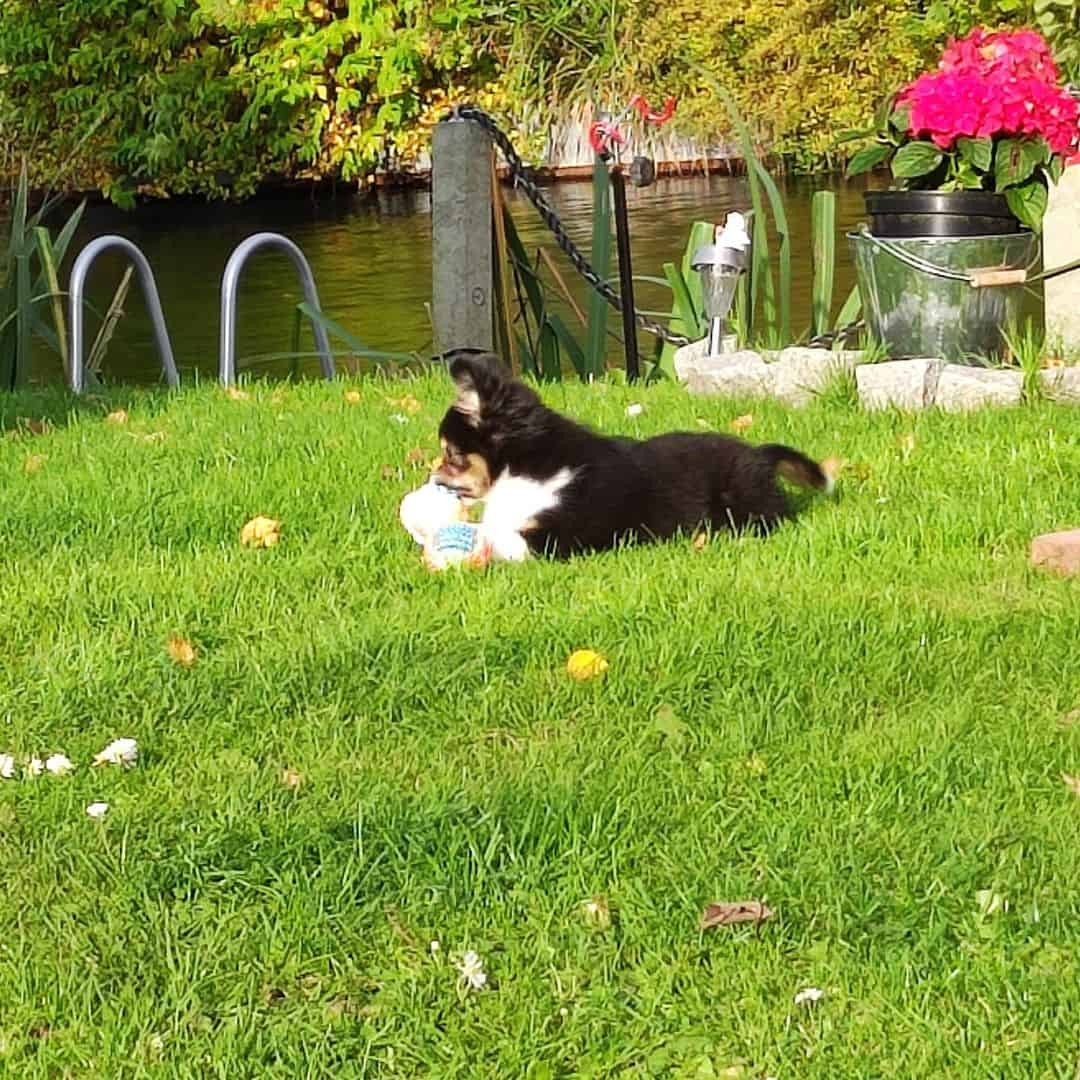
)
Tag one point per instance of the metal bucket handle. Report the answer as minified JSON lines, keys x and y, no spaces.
{"x":926,"y":267}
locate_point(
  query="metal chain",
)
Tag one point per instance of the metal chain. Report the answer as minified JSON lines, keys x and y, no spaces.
{"x":522,"y":180}
{"x":831,"y":337}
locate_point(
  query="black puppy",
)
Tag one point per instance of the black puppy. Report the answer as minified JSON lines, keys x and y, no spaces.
{"x":551,"y":485}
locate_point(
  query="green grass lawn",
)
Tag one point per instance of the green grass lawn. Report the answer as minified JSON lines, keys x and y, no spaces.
{"x":862,"y":721}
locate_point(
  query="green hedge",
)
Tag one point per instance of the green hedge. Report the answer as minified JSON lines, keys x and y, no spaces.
{"x":214,"y":96}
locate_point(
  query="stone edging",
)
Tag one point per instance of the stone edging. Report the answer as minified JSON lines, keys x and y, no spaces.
{"x":796,"y":376}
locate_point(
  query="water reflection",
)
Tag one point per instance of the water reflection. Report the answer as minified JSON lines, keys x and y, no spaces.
{"x":371,"y":257}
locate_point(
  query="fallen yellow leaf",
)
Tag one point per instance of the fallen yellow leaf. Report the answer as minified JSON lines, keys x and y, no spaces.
{"x":261,"y":532}
{"x":415,"y":457}
{"x":236,"y":394}
{"x":585,"y":664}
{"x":742,"y":423}
{"x":700,"y":541}
{"x":34,"y":463}
{"x":836,"y":467}
{"x":1072,"y":783}
{"x":291,"y":779}
{"x":407,"y":404}
{"x":117,"y":417}
{"x":181,"y":650}
{"x":1070,"y":720}
{"x":352,"y":396}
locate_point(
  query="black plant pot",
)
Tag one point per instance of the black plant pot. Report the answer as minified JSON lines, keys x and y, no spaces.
{"x":945,"y":214}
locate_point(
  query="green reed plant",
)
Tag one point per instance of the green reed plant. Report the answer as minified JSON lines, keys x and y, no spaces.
{"x":31,"y":301}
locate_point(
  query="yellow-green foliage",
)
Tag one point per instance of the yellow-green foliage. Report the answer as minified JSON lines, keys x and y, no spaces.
{"x":215,"y":96}
{"x":802,"y":70}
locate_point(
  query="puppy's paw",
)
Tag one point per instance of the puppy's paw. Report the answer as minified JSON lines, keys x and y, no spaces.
{"x":507,"y":546}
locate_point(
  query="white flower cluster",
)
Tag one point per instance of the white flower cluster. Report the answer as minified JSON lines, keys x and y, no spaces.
{"x":121,"y":752}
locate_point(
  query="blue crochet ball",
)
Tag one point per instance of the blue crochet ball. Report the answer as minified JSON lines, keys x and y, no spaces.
{"x":452,"y":544}
{"x":461,"y":536}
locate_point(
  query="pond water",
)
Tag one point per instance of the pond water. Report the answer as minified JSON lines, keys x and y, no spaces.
{"x":371,"y":257}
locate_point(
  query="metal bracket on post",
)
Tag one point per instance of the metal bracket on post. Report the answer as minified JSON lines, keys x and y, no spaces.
{"x":150,"y":294}
{"x":462,"y":287}
{"x":229,"y":282}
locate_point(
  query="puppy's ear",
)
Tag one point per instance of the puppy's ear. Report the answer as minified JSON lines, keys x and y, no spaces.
{"x":479,"y":378}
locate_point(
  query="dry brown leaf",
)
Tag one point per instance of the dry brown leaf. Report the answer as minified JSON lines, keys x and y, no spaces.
{"x":34,"y":463}
{"x":415,"y":457}
{"x":389,"y":472}
{"x":352,"y":397}
{"x":741,"y":911}
{"x":1070,"y":719}
{"x":1072,"y":783}
{"x":700,"y":541}
{"x":741,"y":423}
{"x":404,"y":934}
{"x":181,"y":650}
{"x":291,"y":779}
{"x":118,"y":417}
{"x":234,"y":393}
{"x":596,"y":911}
{"x":31,"y":426}
{"x":337,"y":1007}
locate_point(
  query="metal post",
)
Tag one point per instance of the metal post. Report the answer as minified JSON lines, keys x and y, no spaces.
{"x":626,"y":273}
{"x":150,"y":294}
{"x":231,"y":279}
{"x":462,"y":286}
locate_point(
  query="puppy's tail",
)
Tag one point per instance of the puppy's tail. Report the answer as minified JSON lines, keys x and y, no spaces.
{"x":797,"y":468}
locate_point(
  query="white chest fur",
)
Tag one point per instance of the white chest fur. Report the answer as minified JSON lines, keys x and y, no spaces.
{"x":512,"y":506}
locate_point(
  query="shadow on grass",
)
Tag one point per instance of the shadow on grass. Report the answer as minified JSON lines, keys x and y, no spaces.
{"x":31,"y":412}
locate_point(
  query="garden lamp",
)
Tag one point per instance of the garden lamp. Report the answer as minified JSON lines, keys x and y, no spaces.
{"x":720,"y":265}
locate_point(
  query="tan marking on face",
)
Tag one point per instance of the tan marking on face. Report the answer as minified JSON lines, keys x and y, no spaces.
{"x":465,"y":473}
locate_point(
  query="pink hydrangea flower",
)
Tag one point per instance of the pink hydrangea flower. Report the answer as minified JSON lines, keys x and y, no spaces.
{"x":1001,"y":56}
{"x":987,"y":85}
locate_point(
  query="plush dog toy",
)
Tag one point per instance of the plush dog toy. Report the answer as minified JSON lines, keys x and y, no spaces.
{"x":438,"y":521}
